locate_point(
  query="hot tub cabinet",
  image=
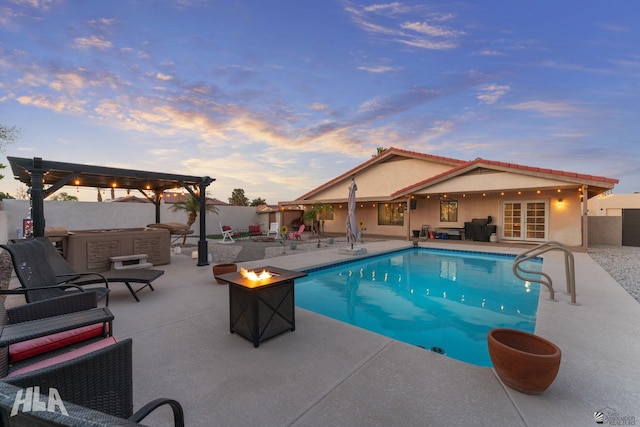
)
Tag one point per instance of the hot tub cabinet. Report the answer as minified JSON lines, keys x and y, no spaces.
{"x":91,"y":250}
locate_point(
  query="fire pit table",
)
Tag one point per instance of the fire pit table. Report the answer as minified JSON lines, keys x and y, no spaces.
{"x":264,"y":307}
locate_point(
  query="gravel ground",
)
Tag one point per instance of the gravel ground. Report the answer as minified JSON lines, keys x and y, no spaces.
{"x":622,"y":263}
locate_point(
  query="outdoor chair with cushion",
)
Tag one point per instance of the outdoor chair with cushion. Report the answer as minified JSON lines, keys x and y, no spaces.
{"x":297,"y":234}
{"x":32,"y":334}
{"x":65,"y":272}
{"x":30,"y":263}
{"x":228,"y":234}
{"x":92,"y":389}
{"x":255,"y":231}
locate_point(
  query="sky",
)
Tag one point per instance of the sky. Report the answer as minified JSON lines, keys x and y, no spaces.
{"x":278,"y":97}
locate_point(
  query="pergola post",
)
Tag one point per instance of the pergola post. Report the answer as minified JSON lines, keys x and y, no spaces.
{"x":203,"y":247}
{"x":37,"y":197}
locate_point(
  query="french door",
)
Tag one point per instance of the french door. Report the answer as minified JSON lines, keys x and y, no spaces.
{"x":525,"y":220}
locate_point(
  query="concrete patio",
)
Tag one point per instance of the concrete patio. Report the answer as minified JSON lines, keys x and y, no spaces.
{"x":328,"y":373}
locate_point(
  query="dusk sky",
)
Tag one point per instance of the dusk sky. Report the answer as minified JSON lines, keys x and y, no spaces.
{"x":278,"y":97}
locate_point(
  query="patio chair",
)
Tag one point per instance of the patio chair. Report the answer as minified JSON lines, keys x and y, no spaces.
{"x":228,"y":234}
{"x":274,"y":228}
{"x":255,"y":231}
{"x":65,"y":272}
{"x":29,"y":258}
{"x":297,"y":234}
{"x":93,"y":389}
{"x":34,"y":332}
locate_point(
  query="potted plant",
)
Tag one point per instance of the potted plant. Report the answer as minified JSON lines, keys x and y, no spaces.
{"x":525,"y":362}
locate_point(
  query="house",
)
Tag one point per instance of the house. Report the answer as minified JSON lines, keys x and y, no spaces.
{"x":401,"y":193}
{"x":614,"y":219}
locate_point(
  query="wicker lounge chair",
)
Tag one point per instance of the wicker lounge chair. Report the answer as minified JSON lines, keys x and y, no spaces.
{"x":95,"y":389}
{"x":31,"y":333}
{"x":63,"y":270}
{"x":29,"y":258}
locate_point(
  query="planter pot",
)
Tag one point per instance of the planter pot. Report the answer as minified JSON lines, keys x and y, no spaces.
{"x":523,"y":361}
{"x":219,"y":269}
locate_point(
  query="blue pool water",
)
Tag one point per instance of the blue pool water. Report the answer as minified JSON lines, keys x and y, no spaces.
{"x":444,"y":301}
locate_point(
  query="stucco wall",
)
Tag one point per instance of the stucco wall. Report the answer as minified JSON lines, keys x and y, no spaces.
{"x":605,"y":230}
{"x":94,"y":215}
{"x":564,"y":222}
{"x":384,"y":179}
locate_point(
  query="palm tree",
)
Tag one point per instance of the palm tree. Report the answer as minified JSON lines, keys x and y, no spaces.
{"x":191,"y":205}
{"x":315,"y":215}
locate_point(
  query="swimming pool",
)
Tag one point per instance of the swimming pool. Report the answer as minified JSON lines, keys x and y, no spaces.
{"x":442,"y":300}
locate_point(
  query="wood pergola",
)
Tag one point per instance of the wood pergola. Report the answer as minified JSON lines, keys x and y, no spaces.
{"x":37,"y":174}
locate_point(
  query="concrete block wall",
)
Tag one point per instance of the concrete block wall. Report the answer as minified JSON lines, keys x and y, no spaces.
{"x":97,"y":215}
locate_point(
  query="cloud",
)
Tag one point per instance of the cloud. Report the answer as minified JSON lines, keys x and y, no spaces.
{"x":490,"y":94}
{"x":318,"y":107}
{"x":422,"y":33}
{"x":38,"y":4}
{"x":59,"y":105}
{"x":92,"y":42}
{"x":101,"y":23}
{"x":160,"y":76}
{"x":430,"y":30}
{"x":68,"y":81}
{"x":427,"y":44}
{"x":489,"y":52}
{"x":394,"y":7}
{"x":546,"y":108}
{"x":379,"y":69}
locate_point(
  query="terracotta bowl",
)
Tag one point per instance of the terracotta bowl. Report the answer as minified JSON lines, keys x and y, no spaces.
{"x":523,"y":361}
{"x":219,"y":269}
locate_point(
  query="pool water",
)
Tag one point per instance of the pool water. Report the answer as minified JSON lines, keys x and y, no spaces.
{"x":443,"y":301}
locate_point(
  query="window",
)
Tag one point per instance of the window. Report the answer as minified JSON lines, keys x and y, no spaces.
{"x":391,"y":213}
{"x":326,"y":214}
{"x":448,"y":211}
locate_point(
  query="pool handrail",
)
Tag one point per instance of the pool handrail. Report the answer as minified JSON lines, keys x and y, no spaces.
{"x":540,"y":249}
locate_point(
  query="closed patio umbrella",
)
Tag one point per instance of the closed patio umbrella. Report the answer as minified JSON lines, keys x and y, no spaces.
{"x":353,"y":232}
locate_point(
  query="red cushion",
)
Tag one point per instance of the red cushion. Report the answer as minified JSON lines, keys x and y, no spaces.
{"x":24,"y":350}
{"x":66,"y":356}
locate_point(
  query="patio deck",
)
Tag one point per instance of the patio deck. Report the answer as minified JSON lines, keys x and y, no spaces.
{"x":330,"y":373}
